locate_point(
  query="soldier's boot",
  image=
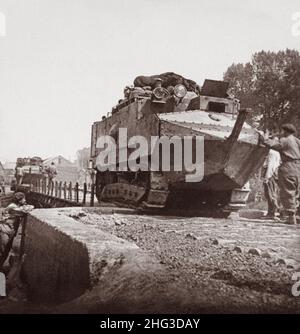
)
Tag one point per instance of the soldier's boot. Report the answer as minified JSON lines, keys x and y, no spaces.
{"x":283,"y":214}
{"x":270,"y":215}
{"x":287,"y":218}
{"x":283,"y":217}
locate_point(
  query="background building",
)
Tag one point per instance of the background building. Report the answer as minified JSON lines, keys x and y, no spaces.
{"x":9,"y":171}
{"x":67,"y":171}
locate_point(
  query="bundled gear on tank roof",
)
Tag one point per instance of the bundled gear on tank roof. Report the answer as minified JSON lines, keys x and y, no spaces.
{"x":167,"y":79}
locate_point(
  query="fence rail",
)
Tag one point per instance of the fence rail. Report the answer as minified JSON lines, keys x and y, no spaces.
{"x":66,"y":190}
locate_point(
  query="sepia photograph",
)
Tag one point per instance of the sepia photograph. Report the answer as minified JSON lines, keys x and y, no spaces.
{"x":149,"y":159}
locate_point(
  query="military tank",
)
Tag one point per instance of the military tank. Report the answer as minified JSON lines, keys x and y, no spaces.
{"x":28,"y":170}
{"x":168,"y":105}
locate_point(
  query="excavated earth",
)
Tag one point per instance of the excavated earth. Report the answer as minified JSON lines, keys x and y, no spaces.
{"x":197,"y":265}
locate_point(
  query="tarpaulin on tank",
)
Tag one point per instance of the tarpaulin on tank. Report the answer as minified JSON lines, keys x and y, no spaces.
{"x":168,"y":79}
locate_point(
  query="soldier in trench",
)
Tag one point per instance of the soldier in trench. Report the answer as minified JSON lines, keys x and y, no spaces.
{"x":10,"y":221}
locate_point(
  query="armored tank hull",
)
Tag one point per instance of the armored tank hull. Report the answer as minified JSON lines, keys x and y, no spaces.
{"x":230,"y":150}
{"x":28,"y":170}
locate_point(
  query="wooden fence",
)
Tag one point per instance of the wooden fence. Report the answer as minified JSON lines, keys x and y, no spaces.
{"x":66,"y":190}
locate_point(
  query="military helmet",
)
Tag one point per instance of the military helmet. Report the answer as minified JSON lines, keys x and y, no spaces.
{"x":19,"y":196}
{"x":289,"y":128}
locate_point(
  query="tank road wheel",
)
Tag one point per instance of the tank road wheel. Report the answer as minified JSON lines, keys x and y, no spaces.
{"x":195,"y":203}
{"x":215,"y":202}
{"x":157,"y":192}
{"x":221,"y":214}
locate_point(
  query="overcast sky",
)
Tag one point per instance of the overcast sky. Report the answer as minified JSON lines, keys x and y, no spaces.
{"x":64,"y":63}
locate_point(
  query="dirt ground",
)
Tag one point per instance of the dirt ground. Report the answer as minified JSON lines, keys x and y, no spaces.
{"x":231,"y":264}
{"x":239,"y":265}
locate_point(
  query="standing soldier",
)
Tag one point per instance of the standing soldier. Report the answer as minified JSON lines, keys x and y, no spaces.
{"x":19,"y":175}
{"x":52,"y":172}
{"x":289,"y":171}
{"x":270,"y":183}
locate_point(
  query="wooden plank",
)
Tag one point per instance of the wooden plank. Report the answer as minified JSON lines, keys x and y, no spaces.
{"x":59,"y":189}
{"x":56,"y":189}
{"x":70,"y":191}
{"x":76,"y":192}
{"x":84,"y":193}
{"x":65,"y":190}
{"x":51,"y":187}
{"x":92,"y":195}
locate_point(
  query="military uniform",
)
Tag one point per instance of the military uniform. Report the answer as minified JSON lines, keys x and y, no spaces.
{"x":51,"y":172}
{"x":7,"y":226}
{"x":270,"y":183}
{"x":9,"y":223}
{"x":19,"y":175}
{"x":6,"y":233}
{"x":289,"y":171}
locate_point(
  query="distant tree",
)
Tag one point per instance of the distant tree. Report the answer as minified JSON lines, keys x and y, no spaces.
{"x":239,"y":77}
{"x":270,"y":85}
{"x":83,"y":157}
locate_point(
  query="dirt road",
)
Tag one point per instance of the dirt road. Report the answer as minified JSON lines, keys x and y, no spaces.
{"x":222,"y":265}
{"x":227,"y":265}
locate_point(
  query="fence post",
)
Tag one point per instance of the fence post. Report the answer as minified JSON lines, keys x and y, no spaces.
{"x":59,"y":189}
{"x":92,"y":194}
{"x":65,"y":190}
{"x":52,"y":186}
{"x":70,"y":191}
{"x":55,"y":188}
{"x":84,"y":193}
{"x":77,"y":192}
